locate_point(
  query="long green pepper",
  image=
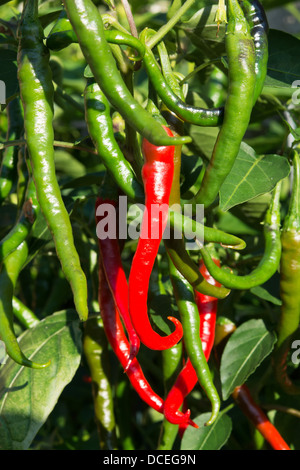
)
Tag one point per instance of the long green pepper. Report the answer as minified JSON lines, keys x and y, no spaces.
{"x":269,"y":262}
{"x":95,"y":347}
{"x":88,"y":26}
{"x":100,"y":127}
{"x":36,"y":90}
{"x":188,"y":113}
{"x":185,"y":299}
{"x":10,"y":154}
{"x":259,"y":28}
{"x":289,"y":284}
{"x":9,"y":274}
{"x":23,"y":226}
{"x":238,"y":106}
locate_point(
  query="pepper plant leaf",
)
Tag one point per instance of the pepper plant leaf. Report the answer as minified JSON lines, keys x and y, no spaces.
{"x":283,"y":69}
{"x":212,"y":437}
{"x":28,"y":396}
{"x":250,"y":343}
{"x":251,"y":176}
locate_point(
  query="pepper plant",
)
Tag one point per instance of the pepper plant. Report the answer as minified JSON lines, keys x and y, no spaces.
{"x":149,"y":230}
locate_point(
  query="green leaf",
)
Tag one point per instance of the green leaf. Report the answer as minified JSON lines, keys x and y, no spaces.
{"x":246,"y":348}
{"x":262,"y":293}
{"x":283,"y":69}
{"x":251,"y":176}
{"x":207,"y":437}
{"x":28,"y":396}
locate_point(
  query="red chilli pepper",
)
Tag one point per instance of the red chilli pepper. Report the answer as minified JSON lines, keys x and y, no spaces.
{"x":116,"y":278}
{"x":187,"y":379}
{"x":254,"y":413}
{"x":157,"y":174}
{"x":117,"y":338}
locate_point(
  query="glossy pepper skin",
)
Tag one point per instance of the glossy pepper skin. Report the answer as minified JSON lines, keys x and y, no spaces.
{"x":117,"y":338}
{"x":188,"y":113}
{"x":100,"y":127}
{"x":10,"y":270}
{"x":112,"y":264}
{"x":289,"y":283}
{"x":256,"y":415}
{"x":259,"y":28}
{"x":95,"y":348}
{"x":36,"y":90}
{"x":25,"y":316}
{"x":189,"y":314}
{"x":10,"y":154}
{"x":268,"y":264}
{"x":157,"y":174}
{"x":238,"y":106}
{"x":187,"y":378}
{"x":23,"y":225}
{"x":88,"y":26}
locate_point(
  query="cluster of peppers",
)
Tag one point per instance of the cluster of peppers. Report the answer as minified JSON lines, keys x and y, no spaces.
{"x":124,"y":303}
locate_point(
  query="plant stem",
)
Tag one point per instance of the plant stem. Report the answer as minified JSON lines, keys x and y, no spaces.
{"x":156,"y":38}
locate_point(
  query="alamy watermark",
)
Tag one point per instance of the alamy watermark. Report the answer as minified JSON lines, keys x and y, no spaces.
{"x":2,"y":353}
{"x":295,"y":357}
{"x":135,"y":222}
{"x":2,"y":92}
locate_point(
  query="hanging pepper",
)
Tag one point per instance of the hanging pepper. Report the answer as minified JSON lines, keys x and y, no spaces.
{"x":22,"y":227}
{"x":268,"y":264}
{"x":187,"y":379}
{"x":10,"y":270}
{"x":120,"y":345}
{"x":157,"y":175}
{"x":36,"y":89}
{"x":259,"y":28}
{"x":95,"y":348}
{"x":238,"y":106}
{"x":100,"y":127}
{"x":10,"y":154}
{"x":189,"y":314}
{"x":88,"y":26}
{"x":289,"y":283}
{"x":188,"y":113}
{"x":112,"y":264}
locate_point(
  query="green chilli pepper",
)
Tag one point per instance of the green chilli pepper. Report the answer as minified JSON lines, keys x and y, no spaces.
{"x":289,"y":283}
{"x":269,"y":263}
{"x":258,"y":22}
{"x":10,"y":156}
{"x":175,"y":245}
{"x":36,"y":90}
{"x":172,"y":360}
{"x":88,"y":26}
{"x":188,"y":310}
{"x":95,"y":347}
{"x":24,"y":314}
{"x":24,"y":224}
{"x":11,"y":268}
{"x":238,"y":106}
{"x":193,"y":229}
{"x":188,"y":113}
{"x":100,"y":127}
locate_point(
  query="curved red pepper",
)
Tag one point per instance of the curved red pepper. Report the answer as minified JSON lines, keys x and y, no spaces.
{"x":157,"y":173}
{"x":117,"y":281}
{"x":187,"y":379}
{"x":117,"y":338}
